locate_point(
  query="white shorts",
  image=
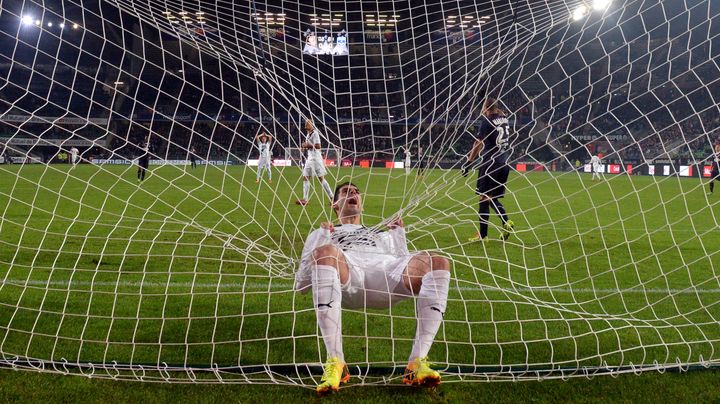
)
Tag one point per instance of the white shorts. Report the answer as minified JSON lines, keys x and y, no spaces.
{"x":264,"y":163}
{"x":314,"y":168}
{"x":375,"y":280}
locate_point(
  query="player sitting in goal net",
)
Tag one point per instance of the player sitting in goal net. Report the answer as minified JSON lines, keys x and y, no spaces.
{"x":352,"y":266}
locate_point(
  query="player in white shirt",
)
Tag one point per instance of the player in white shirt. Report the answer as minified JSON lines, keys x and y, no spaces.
{"x":74,"y":155}
{"x":595,"y":162}
{"x":264,"y":145}
{"x":353,"y":266}
{"x":407,"y":160}
{"x":341,"y":44}
{"x":314,"y":163}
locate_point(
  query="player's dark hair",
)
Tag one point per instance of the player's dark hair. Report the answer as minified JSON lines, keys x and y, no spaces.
{"x":491,"y":105}
{"x":337,"y":189}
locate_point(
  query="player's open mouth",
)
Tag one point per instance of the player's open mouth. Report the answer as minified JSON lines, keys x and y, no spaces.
{"x":353,"y":200}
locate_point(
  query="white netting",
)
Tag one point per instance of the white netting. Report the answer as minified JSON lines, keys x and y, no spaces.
{"x":187,"y":275}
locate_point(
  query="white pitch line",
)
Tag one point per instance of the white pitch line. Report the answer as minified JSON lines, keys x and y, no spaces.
{"x":259,"y":286}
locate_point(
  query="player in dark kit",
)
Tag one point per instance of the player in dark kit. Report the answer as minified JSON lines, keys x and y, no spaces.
{"x":492,"y":144}
{"x":144,"y":159}
{"x":421,"y":164}
{"x":193,"y":157}
{"x":715,"y":161}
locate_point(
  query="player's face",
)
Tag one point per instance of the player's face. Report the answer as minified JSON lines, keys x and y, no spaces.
{"x":308,"y":126}
{"x":349,"y":201}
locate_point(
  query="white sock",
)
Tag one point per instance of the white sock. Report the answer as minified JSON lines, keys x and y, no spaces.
{"x":327,"y":189}
{"x":269,"y":168}
{"x":306,"y":190}
{"x":429,"y":308}
{"x":327,"y":298}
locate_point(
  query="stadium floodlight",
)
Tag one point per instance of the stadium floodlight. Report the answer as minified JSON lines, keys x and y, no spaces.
{"x":50,"y":24}
{"x":27,"y":20}
{"x":62,"y":25}
{"x":600,"y":5}
{"x":75,"y":26}
{"x":579,"y":13}
{"x":38,"y":22}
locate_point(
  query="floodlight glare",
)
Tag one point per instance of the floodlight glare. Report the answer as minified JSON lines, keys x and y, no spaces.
{"x":49,"y":24}
{"x":601,"y":5}
{"x":37,"y":22}
{"x":579,"y":13}
{"x":27,"y":20}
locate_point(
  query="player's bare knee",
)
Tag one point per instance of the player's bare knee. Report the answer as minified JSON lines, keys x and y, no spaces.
{"x":326,"y":255}
{"x":439,"y":263}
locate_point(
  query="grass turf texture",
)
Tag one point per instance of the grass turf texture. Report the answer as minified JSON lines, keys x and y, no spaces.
{"x":695,"y":387}
{"x":195,"y":268}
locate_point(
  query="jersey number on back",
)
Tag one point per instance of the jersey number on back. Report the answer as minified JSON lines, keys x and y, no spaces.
{"x":503,"y":137}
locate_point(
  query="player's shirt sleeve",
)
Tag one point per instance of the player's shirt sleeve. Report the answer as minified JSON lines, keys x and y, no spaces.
{"x":315,"y":137}
{"x":485,"y":129}
{"x":303,"y":276}
{"x":398,"y":242}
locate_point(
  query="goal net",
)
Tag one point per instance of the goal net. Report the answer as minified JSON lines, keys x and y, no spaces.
{"x":120,"y":258}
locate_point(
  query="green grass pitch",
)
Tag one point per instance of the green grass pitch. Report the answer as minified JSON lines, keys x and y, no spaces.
{"x":194,"y":268}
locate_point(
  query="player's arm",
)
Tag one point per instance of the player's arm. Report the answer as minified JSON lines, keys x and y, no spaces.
{"x":478,"y":146}
{"x":396,"y":230}
{"x":303,"y":276}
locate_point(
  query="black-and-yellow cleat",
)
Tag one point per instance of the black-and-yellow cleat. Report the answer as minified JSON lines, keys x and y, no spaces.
{"x":336,"y":372}
{"x":419,"y":373}
{"x":507,"y":230}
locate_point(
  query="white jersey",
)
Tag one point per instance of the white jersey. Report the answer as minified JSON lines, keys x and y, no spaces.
{"x":313,"y":138}
{"x":326,"y":45}
{"x":74,"y":153}
{"x":365,"y":249}
{"x":311,"y":44}
{"x":407,"y":156}
{"x":341,"y":46}
{"x":595,"y":160}
{"x":264,"y":150}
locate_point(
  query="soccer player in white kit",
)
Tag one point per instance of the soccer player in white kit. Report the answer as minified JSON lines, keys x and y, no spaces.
{"x":595,"y":163}
{"x":352,"y":266}
{"x":264,"y":144}
{"x":407,"y":160}
{"x":314,"y":163}
{"x":74,"y":155}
